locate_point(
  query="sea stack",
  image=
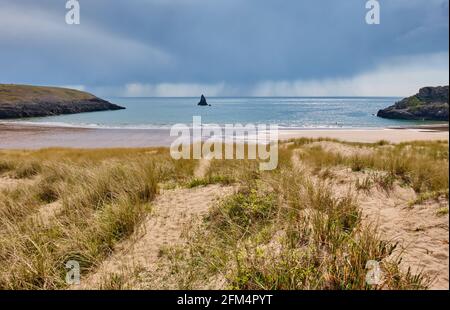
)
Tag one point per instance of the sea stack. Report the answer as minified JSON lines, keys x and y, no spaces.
{"x":203,"y":101}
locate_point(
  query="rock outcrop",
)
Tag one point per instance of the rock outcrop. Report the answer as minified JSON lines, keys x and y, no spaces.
{"x":431,"y":103}
{"x":20,"y":101}
{"x":203,"y":101}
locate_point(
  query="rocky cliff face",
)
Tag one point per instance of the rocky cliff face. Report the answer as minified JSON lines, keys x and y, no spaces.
{"x":431,"y":103}
{"x":19,"y":101}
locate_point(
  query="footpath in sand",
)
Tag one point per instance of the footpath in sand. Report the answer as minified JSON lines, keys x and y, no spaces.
{"x":172,"y":211}
{"x":421,"y":233}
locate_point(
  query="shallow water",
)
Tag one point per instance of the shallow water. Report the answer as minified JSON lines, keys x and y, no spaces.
{"x":351,"y":112}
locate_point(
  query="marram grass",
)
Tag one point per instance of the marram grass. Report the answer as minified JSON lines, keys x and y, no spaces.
{"x":282,"y":229}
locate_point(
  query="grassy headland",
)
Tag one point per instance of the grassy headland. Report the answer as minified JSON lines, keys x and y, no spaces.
{"x":17,"y":101}
{"x":430,"y":103}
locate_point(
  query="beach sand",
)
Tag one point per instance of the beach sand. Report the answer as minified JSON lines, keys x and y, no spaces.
{"x":18,"y":136}
{"x":392,"y":135}
{"x":13,"y":136}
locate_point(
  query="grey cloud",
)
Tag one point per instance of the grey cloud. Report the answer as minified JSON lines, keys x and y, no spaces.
{"x":205,"y":42}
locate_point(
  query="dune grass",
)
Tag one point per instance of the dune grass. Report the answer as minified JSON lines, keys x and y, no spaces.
{"x":287,"y":230}
{"x":103,"y":195}
{"x":283,"y":229}
{"x":421,"y":165}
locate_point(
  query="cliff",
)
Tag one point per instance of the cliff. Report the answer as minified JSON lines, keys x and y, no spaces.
{"x":431,"y":103}
{"x":19,"y":101}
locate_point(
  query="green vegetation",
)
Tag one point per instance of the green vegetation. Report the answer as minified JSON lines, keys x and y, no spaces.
{"x":421,"y":165}
{"x":25,"y":93}
{"x":442,"y":211}
{"x":211,"y":179}
{"x":103,"y":195}
{"x":414,"y":102}
{"x":430,"y":196}
{"x":287,"y":230}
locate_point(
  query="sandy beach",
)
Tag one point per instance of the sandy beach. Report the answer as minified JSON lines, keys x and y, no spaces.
{"x":393,"y":135}
{"x":18,"y":136}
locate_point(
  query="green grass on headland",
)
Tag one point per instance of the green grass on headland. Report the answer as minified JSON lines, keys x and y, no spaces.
{"x":13,"y":93}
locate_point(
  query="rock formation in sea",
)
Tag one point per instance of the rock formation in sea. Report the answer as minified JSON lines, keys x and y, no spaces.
{"x":431,"y":103}
{"x":203,"y":101}
{"x":19,"y":101}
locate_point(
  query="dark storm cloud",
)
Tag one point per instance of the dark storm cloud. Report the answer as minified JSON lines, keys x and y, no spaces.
{"x":237,"y":42}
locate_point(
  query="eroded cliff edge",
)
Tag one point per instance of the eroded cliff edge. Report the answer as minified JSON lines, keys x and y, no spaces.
{"x":19,"y":101}
{"x":431,"y":103}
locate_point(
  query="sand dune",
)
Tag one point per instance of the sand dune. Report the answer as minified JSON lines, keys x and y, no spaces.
{"x":420,"y":228}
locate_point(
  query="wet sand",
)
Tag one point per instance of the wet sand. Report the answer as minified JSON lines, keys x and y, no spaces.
{"x":18,"y":136}
{"x":13,"y":136}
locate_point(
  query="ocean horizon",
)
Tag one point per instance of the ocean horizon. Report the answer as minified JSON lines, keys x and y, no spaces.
{"x":286,"y":112}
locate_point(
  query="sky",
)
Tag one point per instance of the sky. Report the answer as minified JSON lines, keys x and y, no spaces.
{"x":226,"y":47}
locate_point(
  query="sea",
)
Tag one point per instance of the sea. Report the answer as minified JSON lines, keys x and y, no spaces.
{"x":288,"y":113}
